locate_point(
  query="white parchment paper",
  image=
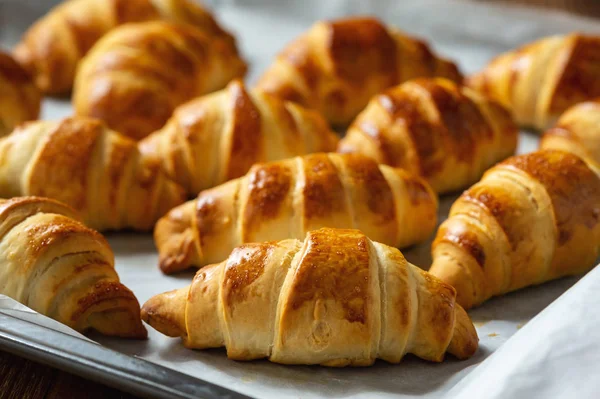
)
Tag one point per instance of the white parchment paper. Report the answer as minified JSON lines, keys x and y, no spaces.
{"x":555,"y":355}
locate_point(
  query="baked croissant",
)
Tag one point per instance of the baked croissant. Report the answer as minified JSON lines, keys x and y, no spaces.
{"x":531,"y":219}
{"x":56,"y":266}
{"x":137,"y":74}
{"x":448,"y":134}
{"x":337,"y":66}
{"x":577,"y":131}
{"x":286,"y":199}
{"x":84,"y":164}
{"x":220,"y":136}
{"x":539,"y":81}
{"x":54,"y":45}
{"x":338,"y":299}
{"x":19,"y":98}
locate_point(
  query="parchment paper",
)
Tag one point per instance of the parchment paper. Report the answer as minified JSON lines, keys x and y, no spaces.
{"x":555,"y":355}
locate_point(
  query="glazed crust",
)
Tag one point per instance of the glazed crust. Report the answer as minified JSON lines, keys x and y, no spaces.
{"x":288,"y":198}
{"x":19,"y":98}
{"x":137,"y":74}
{"x":51,"y":49}
{"x":218,"y":137}
{"x":337,"y":66}
{"x":577,"y":131}
{"x":531,"y":219}
{"x":336,"y":299}
{"x":82,"y":163}
{"x":540,"y":80}
{"x":56,"y":266}
{"x":448,"y":134}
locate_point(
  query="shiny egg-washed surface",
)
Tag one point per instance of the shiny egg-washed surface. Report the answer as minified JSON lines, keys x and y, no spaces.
{"x":218,"y":137}
{"x":63,"y":269}
{"x":52,"y":48}
{"x":531,"y":219}
{"x":336,"y":299}
{"x":432,"y":127}
{"x":279,"y":200}
{"x":337,"y":66}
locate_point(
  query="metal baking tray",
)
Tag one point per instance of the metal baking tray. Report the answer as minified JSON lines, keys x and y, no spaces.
{"x":94,"y":361}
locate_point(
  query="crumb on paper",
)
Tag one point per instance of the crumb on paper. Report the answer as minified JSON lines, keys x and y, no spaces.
{"x":248,"y":379}
{"x":492,"y":335}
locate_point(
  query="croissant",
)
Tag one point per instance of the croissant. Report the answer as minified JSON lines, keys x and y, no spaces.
{"x":336,"y":299}
{"x":19,"y":98}
{"x":137,"y":74}
{"x":285,"y":199}
{"x":337,"y":66}
{"x":54,"y":45}
{"x":56,"y":266}
{"x":84,"y":164}
{"x":220,"y":136}
{"x":577,"y":131}
{"x":448,"y":134}
{"x":539,"y":81}
{"x":531,"y":219}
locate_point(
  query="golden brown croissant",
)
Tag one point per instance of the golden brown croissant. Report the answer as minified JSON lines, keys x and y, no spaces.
{"x":531,"y":218}
{"x":539,"y":81}
{"x":54,"y":45}
{"x":577,"y":131}
{"x":220,"y":136}
{"x":337,"y":66}
{"x":84,"y":164}
{"x":137,"y":74}
{"x":56,"y":266}
{"x":338,"y":299}
{"x":19,"y":98}
{"x":286,"y":199}
{"x":448,"y":134}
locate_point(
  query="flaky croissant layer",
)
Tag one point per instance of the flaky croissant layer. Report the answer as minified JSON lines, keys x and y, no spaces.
{"x":286,"y":199}
{"x":336,"y":299}
{"x":56,"y":266}
{"x":540,"y":80}
{"x":218,"y":137}
{"x":82,"y":163}
{"x":52,"y":48}
{"x":19,"y":98}
{"x":577,"y":131}
{"x":137,"y":74}
{"x":531,"y":219}
{"x":433,"y":127}
{"x":337,"y":66}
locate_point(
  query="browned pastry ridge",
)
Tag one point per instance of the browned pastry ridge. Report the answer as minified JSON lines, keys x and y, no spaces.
{"x":53,"y":264}
{"x":531,"y":219}
{"x":54,"y":45}
{"x":218,"y":137}
{"x":448,"y":134}
{"x":286,"y":199}
{"x":577,"y":131}
{"x":337,"y":66}
{"x":82,"y":163}
{"x":540,"y":80}
{"x":336,"y":299}
{"x":19,"y":98}
{"x":137,"y":74}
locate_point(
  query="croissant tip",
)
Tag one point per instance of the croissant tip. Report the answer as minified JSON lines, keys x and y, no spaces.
{"x":160,"y":313}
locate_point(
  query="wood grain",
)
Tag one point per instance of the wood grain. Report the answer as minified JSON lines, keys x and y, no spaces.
{"x":24,"y":379}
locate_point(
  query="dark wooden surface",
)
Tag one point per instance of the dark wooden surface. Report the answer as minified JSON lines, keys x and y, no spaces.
{"x":24,"y":379}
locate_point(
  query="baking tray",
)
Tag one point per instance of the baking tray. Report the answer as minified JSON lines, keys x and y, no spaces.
{"x":122,"y":368}
{"x":96,"y":362}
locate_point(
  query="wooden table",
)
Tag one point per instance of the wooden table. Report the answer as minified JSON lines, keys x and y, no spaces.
{"x":24,"y":379}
